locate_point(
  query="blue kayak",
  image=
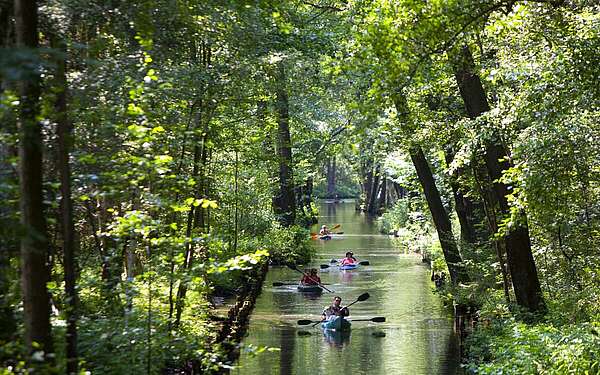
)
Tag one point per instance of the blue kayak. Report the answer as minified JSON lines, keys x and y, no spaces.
{"x":337,"y":323}
{"x":325,"y":238}
{"x":349,"y":266}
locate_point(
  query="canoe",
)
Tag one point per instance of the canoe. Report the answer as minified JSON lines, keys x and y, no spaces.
{"x":310,"y":288}
{"x":349,"y":266}
{"x":337,"y":323}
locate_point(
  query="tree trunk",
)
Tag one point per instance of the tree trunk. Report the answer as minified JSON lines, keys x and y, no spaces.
{"x":65,"y":144}
{"x":6,"y":24}
{"x":34,"y":243}
{"x":285,"y":203}
{"x":521,"y":264}
{"x":8,"y":239}
{"x":383,"y":195}
{"x":440,"y":217}
{"x":372,"y":202}
{"x":112,"y":262}
{"x":488,"y":199}
{"x":194,"y":219}
{"x":367,"y":185}
{"x":331,"y":170}
{"x":400,"y":191}
{"x":466,"y":209}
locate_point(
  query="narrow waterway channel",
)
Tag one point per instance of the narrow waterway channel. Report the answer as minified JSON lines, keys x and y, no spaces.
{"x":417,"y":337}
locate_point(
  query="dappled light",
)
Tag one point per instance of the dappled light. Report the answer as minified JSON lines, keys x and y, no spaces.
{"x":175,"y":177}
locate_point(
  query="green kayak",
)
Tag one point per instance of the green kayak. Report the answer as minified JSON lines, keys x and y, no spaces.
{"x":305,"y":288}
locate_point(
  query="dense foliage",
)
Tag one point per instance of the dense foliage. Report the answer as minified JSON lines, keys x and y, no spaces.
{"x":202,"y":130}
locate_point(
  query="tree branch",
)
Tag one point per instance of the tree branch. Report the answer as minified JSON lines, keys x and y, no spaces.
{"x":334,"y":134}
{"x":325,"y":7}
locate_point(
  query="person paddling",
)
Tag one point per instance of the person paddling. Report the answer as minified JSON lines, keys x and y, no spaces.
{"x":324,"y":231}
{"x":335,"y":309}
{"x":349,"y":259}
{"x":311,"y":278}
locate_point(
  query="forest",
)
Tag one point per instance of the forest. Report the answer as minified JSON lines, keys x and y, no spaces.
{"x":157,"y":154}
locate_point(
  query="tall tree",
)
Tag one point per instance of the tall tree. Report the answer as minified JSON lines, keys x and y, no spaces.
{"x":521,"y":264}
{"x":285,"y":202}
{"x":441,"y":219}
{"x":34,"y":242}
{"x":64,"y":131}
{"x":8,"y":242}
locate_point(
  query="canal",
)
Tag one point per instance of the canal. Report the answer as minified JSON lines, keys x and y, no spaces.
{"x":417,"y":337}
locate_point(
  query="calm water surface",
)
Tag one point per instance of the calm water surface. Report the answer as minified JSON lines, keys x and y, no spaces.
{"x":417,"y":337}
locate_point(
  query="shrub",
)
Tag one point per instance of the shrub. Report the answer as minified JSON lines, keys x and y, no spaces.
{"x":288,"y":245}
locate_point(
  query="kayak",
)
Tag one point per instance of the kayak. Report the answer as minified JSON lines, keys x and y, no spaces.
{"x":305,"y":288}
{"x":325,"y":237}
{"x":349,"y":266}
{"x":337,"y":323}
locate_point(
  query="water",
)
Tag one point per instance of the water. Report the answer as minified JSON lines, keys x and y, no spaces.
{"x":417,"y":337}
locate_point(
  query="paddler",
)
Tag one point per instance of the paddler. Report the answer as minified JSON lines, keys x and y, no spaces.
{"x":324,"y":231}
{"x":349,"y":259}
{"x":311,"y":278}
{"x":335,"y":309}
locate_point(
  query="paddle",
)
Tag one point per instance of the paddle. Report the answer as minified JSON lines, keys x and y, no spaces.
{"x":312,"y":234}
{"x":278,"y":283}
{"x":296,"y":269}
{"x":362,"y":297}
{"x":362,"y":263}
{"x":377,"y":319}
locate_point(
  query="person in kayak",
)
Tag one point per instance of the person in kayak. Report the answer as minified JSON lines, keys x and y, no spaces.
{"x":335,"y":309}
{"x":349,"y":259}
{"x":324,"y":231}
{"x":311,"y":278}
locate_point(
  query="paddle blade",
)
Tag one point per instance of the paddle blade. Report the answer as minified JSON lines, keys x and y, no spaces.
{"x":364,"y":263}
{"x":303,"y":322}
{"x":377,"y":319}
{"x":336,"y":226}
{"x":363,"y":297}
{"x":333,"y":261}
{"x":323,"y":266}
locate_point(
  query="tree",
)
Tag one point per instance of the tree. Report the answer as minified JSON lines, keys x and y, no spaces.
{"x":34,"y":242}
{"x":518,"y":246}
{"x":64,"y":132}
{"x":284,"y":202}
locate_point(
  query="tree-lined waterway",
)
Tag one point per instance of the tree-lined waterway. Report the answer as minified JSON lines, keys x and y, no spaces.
{"x":417,"y":337}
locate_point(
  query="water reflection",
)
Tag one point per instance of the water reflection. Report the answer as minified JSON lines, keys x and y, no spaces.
{"x":336,"y":339}
{"x":417,"y":337}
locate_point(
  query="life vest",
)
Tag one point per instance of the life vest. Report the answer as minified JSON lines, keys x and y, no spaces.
{"x":311,"y":280}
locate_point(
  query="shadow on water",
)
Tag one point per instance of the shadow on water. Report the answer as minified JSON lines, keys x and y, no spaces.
{"x":417,"y":337}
